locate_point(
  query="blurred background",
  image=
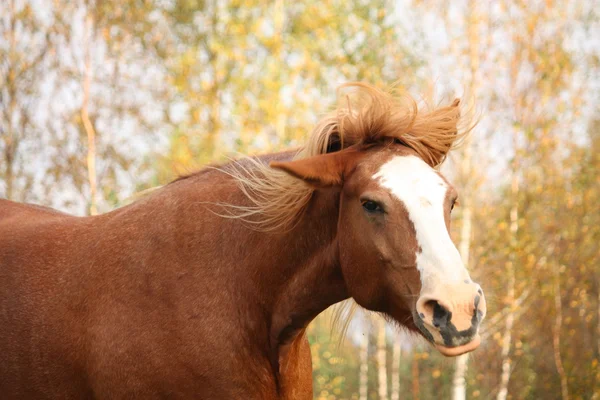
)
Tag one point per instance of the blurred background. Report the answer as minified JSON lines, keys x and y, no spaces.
{"x":102,"y":99}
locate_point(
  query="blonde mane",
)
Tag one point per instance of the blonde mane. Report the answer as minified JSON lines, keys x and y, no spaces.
{"x":364,"y":115}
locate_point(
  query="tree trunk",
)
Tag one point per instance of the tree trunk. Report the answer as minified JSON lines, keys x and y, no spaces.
{"x":396,"y":354}
{"x":381,"y":359}
{"x":510,"y":274}
{"x":459,"y":387}
{"x":85,"y":117}
{"x":510,"y":305}
{"x":363,"y":379}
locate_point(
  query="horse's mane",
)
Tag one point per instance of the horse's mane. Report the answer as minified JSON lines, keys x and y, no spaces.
{"x":364,"y":115}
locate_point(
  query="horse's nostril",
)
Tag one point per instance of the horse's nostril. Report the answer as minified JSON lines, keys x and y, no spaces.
{"x":429,"y":307}
{"x":441,"y":315}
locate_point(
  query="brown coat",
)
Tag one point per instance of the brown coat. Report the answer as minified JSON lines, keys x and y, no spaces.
{"x":150,"y":300}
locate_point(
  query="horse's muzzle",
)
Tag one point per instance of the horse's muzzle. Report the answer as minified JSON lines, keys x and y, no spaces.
{"x":449,"y":317}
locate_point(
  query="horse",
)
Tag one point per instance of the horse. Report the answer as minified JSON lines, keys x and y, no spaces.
{"x":204,"y":288}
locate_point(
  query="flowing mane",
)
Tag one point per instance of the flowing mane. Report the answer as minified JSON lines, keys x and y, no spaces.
{"x":364,"y":115}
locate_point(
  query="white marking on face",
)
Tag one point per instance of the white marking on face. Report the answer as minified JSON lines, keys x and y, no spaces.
{"x":423,"y":192}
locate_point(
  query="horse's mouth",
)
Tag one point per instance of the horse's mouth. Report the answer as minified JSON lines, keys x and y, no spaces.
{"x":461,"y":349}
{"x":456,"y":343}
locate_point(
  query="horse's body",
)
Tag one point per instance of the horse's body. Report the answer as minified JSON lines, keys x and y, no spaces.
{"x":147,"y":301}
{"x":179,"y":295}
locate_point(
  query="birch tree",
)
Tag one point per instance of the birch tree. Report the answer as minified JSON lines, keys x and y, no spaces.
{"x":88,"y":34}
{"x":364,"y":367}
{"x":396,"y":357}
{"x":382,"y":359}
{"x":467,"y":175}
{"x":529,"y":102}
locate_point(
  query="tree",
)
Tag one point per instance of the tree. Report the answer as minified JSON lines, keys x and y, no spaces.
{"x":263,"y":57}
{"x":50,"y":103}
{"x":382,"y":386}
{"x":25,"y":53}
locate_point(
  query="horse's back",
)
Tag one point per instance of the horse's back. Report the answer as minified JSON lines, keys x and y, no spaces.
{"x":30,"y":231}
{"x":13,"y":214}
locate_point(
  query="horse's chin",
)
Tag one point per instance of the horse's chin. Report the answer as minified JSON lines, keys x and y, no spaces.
{"x":458,"y":350}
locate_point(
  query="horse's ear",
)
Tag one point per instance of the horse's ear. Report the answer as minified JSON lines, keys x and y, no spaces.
{"x":321,"y":171}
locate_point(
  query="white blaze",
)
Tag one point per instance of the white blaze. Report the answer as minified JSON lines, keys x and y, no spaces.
{"x":423,"y":193}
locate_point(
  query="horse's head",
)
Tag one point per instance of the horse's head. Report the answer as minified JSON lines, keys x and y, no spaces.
{"x":395,"y":250}
{"x":396,"y":254}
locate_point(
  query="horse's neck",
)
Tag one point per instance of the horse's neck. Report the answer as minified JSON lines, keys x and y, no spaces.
{"x":290,"y":276}
{"x":294,"y":274}
{"x":310,"y":278}
{"x":314,"y":281}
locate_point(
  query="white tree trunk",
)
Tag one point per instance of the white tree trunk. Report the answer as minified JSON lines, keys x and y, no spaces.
{"x":510,"y":273}
{"x":85,"y":117}
{"x":363,"y":379}
{"x":506,"y":360}
{"x":381,"y":359}
{"x":459,"y":385}
{"x":396,"y":354}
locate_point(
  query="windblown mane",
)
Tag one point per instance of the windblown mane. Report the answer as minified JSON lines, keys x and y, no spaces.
{"x":365,"y":115}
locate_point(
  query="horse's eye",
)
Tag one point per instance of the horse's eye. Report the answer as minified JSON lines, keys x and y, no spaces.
{"x":371,"y":206}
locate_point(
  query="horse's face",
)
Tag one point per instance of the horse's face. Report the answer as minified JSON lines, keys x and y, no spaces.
{"x":396,"y":253}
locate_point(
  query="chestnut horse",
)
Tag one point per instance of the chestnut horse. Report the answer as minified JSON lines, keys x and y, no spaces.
{"x":204,"y":288}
